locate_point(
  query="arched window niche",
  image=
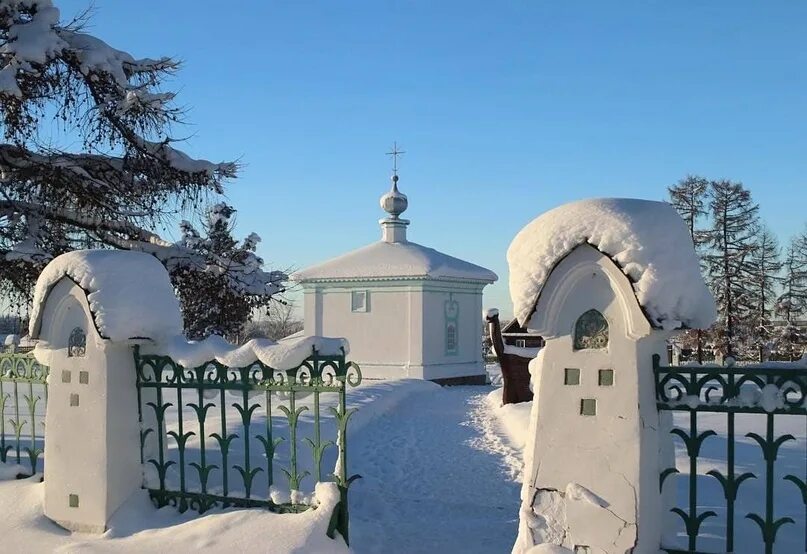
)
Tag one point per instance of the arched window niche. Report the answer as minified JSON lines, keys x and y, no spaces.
{"x":451,"y":311}
{"x":591,"y":331}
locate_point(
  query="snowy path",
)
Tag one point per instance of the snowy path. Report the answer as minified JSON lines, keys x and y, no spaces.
{"x":436,"y":478}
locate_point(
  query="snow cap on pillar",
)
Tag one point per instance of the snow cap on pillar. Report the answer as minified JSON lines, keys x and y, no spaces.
{"x":647,"y":240}
{"x":129,"y":294}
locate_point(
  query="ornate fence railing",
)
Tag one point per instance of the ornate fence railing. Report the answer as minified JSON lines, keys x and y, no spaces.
{"x":767,"y":399}
{"x":23,"y":397}
{"x":224,"y":436}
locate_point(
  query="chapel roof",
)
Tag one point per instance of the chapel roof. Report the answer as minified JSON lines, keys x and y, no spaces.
{"x":389,"y":260}
{"x":394,"y":257}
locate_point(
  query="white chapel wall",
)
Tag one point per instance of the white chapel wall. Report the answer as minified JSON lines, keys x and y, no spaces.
{"x":379,"y":337}
{"x":466,"y":359}
{"x":403,"y":333}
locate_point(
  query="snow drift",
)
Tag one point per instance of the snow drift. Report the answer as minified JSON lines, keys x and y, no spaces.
{"x":138,"y":527}
{"x":284,"y":355}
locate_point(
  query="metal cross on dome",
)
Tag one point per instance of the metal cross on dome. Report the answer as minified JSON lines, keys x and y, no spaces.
{"x":395,"y":153}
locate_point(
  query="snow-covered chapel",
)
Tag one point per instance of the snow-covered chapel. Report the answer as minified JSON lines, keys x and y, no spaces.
{"x":407,"y":310}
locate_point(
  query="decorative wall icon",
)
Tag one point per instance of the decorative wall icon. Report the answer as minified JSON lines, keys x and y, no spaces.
{"x":591,"y":331}
{"x":77,"y":343}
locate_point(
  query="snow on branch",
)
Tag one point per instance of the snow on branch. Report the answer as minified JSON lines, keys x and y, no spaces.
{"x":81,"y":220}
{"x":246,"y":275}
{"x":125,"y":176}
{"x":33,"y":38}
{"x":96,"y":56}
{"x":109,"y":90}
{"x":180,"y":161}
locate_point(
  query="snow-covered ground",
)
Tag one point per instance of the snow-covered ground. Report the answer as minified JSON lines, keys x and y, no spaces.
{"x":437,"y":473}
{"x":371,"y":400}
{"x":437,"y":477}
{"x":441,"y":470}
{"x":138,"y":527}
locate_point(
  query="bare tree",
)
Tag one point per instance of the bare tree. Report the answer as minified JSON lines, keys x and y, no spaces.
{"x":280,"y":321}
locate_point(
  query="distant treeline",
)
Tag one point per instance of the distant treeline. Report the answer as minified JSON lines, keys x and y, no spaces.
{"x":13,"y":325}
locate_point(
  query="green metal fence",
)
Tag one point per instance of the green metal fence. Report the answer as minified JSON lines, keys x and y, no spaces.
{"x":764,"y":397}
{"x":254,"y":436}
{"x":23,"y":397}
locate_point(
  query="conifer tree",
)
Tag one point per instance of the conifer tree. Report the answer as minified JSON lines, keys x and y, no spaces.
{"x":688,"y":197}
{"x":212,"y":302}
{"x":791,"y":306}
{"x":731,"y":244}
{"x":117,"y":177}
{"x":764,"y":265}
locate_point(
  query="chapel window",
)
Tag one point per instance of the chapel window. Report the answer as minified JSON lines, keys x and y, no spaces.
{"x":451,"y":311}
{"x":359,"y":301}
{"x":451,"y":338}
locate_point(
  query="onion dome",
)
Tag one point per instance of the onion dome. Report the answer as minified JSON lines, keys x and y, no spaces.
{"x":394,"y":202}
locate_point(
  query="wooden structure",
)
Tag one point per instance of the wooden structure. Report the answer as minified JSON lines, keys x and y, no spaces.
{"x":514,"y":334}
{"x":515,"y":367}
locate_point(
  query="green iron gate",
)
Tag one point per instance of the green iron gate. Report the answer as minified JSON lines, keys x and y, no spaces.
{"x":23,"y":396}
{"x":766,"y":392}
{"x":219,"y":436}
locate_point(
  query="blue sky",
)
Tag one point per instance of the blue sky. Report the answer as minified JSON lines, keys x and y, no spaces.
{"x":505,"y":109}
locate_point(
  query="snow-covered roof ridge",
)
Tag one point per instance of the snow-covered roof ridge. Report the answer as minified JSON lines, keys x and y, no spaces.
{"x":283,"y":355}
{"x":646,"y":239}
{"x":385,"y":260}
{"x":129,"y":293}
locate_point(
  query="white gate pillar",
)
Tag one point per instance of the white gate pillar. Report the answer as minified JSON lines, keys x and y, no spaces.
{"x":594,"y":456}
{"x":606,"y":282}
{"x":90,"y":308}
